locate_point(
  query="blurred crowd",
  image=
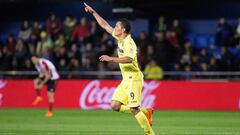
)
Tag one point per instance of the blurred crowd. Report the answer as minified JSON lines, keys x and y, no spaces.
{"x":75,"y":45}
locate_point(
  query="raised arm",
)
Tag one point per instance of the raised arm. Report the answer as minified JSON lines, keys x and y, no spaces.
{"x":103,"y":23}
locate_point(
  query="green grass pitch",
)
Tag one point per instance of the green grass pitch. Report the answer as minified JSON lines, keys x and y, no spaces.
{"x":77,"y":122}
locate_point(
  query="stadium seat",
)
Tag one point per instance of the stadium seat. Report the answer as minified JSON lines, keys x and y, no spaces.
{"x":217,"y":52}
{"x":4,"y":38}
{"x":201,"y":41}
{"x":212,"y":40}
{"x":191,"y":37}
{"x":233,"y":50}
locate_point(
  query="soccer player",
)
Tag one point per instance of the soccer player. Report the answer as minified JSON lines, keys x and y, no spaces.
{"x":127,"y":96}
{"x":47,"y":75}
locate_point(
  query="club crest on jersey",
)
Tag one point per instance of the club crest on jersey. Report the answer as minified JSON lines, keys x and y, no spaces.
{"x":120,"y":50}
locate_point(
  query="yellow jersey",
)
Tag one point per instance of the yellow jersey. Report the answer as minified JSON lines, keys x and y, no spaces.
{"x":127,"y":47}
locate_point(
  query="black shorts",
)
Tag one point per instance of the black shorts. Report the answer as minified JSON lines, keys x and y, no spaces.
{"x":51,"y":85}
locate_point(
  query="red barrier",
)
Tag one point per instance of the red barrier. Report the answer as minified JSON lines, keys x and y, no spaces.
{"x":96,"y":94}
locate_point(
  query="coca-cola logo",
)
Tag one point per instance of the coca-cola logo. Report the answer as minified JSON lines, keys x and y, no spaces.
{"x":96,"y":97}
{"x":2,"y":85}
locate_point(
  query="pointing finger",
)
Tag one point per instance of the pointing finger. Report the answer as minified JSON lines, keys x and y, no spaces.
{"x":85,"y":4}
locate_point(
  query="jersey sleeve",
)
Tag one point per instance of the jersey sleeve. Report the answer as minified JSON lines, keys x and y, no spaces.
{"x":46,"y":67}
{"x":113,"y":34}
{"x":130,"y":50}
{"x":38,"y":68}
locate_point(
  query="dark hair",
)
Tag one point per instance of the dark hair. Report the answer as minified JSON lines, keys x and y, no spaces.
{"x":34,"y":55}
{"x":125,"y":24}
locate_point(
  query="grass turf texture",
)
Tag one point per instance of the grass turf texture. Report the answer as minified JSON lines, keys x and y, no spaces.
{"x":77,"y":122}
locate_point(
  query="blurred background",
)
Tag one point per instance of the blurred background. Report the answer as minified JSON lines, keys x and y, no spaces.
{"x":177,"y":40}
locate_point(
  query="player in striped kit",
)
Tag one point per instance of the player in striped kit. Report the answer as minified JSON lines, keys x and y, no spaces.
{"x":47,"y":76}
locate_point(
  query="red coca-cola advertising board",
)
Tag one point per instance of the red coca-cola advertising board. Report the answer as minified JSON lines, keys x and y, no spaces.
{"x":96,"y":94}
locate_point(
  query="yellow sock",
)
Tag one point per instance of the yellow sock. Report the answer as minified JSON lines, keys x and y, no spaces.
{"x":143,"y":122}
{"x":144,"y":110}
{"x":126,"y":109}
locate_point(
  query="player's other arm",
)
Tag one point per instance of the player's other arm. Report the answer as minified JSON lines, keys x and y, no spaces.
{"x":47,"y":76}
{"x":125,"y":59}
{"x":103,"y":23}
{"x":47,"y":73}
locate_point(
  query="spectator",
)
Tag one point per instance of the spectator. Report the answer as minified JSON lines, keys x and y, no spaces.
{"x":150,"y":54}
{"x":31,"y":50}
{"x":21,"y":52}
{"x":186,"y":58}
{"x":187,"y":47}
{"x":223,"y":33}
{"x":107,"y":40}
{"x":173,"y":47}
{"x":25,"y":31}
{"x":203,"y":56}
{"x":161,"y":25}
{"x":187,"y":75}
{"x":177,"y":28}
{"x":226,"y":60}
{"x":1,"y":57}
{"x":161,"y":48}
{"x":143,"y":41}
{"x":101,"y":67}
{"x":61,"y":54}
{"x":89,"y":53}
{"x":60,"y":42}
{"x":112,"y":65}
{"x":73,"y":66}
{"x":62,"y":65}
{"x":204,"y":67}
{"x":6,"y":59}
{"x":140,"y":58}
{"x":28,"y":65}
{"x":53,"y":26}
{"x":103,"y":51}
{"x":172,"y":39}
{"x":11,"y":45}
{"x":33,"y":40}
{"x":195,"y":65}
{"x":176,"y":68}
{"x":74,"y":52}
{"x":81,"y":31}
{"x":213,"y":65}
{"x":86,"y":64}
{"x":95,"y":33}
{"x":44,"y":45}
{"x":165,"y":46}
{"x":152,"y":71}
{"x":36,"y":29}
{"x":68,"y":26}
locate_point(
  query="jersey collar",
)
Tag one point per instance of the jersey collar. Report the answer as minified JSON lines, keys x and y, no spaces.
{"x":126,"y":38}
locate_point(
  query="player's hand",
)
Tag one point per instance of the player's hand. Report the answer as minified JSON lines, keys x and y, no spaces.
{"x":88,"y":8}
{"x":41,"y":75}
{"x":105,"y":58}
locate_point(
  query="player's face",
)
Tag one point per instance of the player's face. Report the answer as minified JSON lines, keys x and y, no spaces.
{"x":118,"y":29}
{"x":34,"y":60}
